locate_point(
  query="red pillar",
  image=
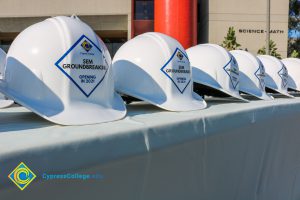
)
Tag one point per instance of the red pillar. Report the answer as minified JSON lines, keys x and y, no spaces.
{"x":177,"y":18}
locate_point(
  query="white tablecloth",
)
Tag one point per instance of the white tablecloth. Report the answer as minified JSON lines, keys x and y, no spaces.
{"x":232,"y":150}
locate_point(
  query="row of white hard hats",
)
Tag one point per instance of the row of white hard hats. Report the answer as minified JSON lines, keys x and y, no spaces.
{"x":239,"y":71}
{"x":61,"y":70}
{"x":212,"y":68}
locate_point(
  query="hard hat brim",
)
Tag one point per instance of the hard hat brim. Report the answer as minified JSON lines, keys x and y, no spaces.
{"x":5,"y":103}
{"x":263,"y":95}
{"x":77,"y":113}
{"x":294,"y":88}
{"x":266,"y":96}
{"x":285,"y":93}
{"x":195,"y":102}
{"x":237,"y":96}
{"x":86,"y":113}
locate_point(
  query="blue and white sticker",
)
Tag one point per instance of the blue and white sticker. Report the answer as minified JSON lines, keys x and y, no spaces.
{"x":283,"y":73}
{"x":260,"y":75}
{"x":232,"y":70}
{"x":177,"y":69}
{"x":84,"y":64}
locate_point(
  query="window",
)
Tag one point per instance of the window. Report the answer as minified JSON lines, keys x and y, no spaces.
{"x":144,"y":10}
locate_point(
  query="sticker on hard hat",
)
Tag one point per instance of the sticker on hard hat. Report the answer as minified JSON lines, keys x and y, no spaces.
{"x":177,"y":69}
{"x":283,"y":73}
{"x":232,"y":70}
{"x":84,"y":64}
{"x":260,"y":75}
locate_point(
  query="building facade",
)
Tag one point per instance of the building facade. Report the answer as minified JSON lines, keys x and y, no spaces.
{"x":116,"y":21}
{"x":111,"y":20}
{"x":249,"y":20}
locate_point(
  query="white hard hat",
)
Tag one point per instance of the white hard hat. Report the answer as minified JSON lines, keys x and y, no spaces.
{"x":276,"y":74}
{"x":154,"y":67}
{"x":4,"y":102}
{"x":293,"y":67}
{"x":252,"y":74}
{"x":2,"y":63}
{"x":215,"y":67}
{"x":60,"y":69}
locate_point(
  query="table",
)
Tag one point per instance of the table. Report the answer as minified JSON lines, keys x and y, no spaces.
{"x":231,"y":150}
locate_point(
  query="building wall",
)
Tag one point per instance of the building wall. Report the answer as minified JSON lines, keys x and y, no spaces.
{"x":249,"y":20}
{"x":111,"y":19}
{"x":25,"y":8}
{"x":114,"y":15}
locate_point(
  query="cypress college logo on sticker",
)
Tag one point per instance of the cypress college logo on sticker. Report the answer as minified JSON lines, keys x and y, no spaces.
{"x":86,"y":45}
{"x":178,"y":70}
{"x":84,"y":64}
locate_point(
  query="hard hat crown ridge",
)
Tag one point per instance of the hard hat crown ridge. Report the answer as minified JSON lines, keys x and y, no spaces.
{"x":157,"y":71}
{"x":61,"y":70}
